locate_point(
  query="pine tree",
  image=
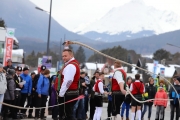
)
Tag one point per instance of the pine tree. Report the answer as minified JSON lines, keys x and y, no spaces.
{"x":2,"y":23}
{"x":80,"y":55}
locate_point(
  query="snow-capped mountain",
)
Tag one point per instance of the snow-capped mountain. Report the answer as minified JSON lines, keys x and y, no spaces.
{"x":132,"y":20}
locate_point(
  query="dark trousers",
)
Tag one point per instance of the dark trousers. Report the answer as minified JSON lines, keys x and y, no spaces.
{"x":117,"y":100}
{"x":40,"y":102}
{"x":173,"y":107}
{"x":5,"y":109}
{"x":109,"y":108}
{"x":61,"y":108}
{"x":55,"y":112}
{"x":86,"y":102}
{"x":31,"y":103}
{"x":92,"y":107}
{"x":23,"y":100}
{"x":69,"y":106}
{"x":16,"y":102}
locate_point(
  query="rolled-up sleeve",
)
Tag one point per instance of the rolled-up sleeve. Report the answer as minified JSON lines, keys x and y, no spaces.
{"x":119,"y":77}
{"x":69,"y":73}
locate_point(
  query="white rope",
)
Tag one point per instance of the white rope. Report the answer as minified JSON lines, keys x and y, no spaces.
{"x":84,"y":45}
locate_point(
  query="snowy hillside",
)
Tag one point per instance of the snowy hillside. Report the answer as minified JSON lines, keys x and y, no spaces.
{"x":132,"y":20}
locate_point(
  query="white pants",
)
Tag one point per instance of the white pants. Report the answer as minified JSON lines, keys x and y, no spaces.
{"x":97,"y":114}
{"x":1,"y":100}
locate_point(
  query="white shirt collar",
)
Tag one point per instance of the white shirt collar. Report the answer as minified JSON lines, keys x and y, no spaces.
{"x":70,"y":60}
{"x":17,"y":75}
{"x":118,"y":68}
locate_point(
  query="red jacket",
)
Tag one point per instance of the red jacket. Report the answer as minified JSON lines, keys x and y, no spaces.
{"x":161,"y":94}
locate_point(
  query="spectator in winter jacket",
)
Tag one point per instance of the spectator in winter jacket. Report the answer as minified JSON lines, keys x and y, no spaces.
{"x":9,"y":65}
{"x":127,"y":101}
{"x":42,"y":93}
{"x":150,"y":92}
{"x":173,"y":95}
{"x":160,"y":104}
{"x":9,"y":94}
{"x":26,"y":91}
{"x":3,"y":86}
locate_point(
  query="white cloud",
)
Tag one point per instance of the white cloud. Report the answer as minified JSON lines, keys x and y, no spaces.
{"x":72,"y":13}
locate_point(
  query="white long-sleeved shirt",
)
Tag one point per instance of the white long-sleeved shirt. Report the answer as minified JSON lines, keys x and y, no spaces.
{"x":131,"y":87}
{"x":69,"y":72}
{"x":100,"y":86}
{"x":118,"y":76}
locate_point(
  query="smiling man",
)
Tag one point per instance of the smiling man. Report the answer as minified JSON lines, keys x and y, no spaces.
{"x":69,"y":84}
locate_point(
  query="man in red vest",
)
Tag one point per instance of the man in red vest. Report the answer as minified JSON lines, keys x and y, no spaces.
{"x":118,"y":92}
{"x":69,"y":83}
{"x":137,"y":89}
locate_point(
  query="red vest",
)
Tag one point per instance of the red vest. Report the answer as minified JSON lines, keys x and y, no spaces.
{"x":75,"y":83}
{"x":115,"y":85}
{"x":138,"y":88}
{"x":96,"y":88}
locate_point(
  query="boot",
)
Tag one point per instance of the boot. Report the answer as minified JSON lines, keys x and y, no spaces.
{"x":121,"y":118}
{"x":127,"y":118}
{"x":30,"y":116}
{"x":118,"y":117}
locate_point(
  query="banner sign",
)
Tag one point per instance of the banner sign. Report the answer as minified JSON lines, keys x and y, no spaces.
{"x":47,"y":61}
{"x":162,"y":71}
{"x":8,"y":45}
{"x":155,"y":68}
{"x":59,"y":65}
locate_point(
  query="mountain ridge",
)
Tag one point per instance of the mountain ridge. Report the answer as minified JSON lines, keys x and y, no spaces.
{"x":131,"y":18}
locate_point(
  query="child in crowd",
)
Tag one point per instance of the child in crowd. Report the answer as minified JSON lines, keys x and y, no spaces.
{"x":160,"y":104}
{"x":98,"y":98}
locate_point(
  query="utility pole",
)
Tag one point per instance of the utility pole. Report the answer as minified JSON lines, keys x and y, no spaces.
{"x":60,"y":56}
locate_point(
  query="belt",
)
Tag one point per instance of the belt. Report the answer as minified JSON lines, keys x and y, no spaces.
{"x":72,"y":92}
{"x":117,"y":93}
{"x":98,"y":94}
{"x":17,"y":89}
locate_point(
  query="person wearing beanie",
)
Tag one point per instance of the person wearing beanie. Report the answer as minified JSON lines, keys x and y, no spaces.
{"x":175,"y":103}
{"x":127,"y":101}
{"x":26,"y":91}
{"x":3,"y":86}
{"x":150,"y":92}
{"x":9,"y":94}
{"x":161,"y":83}
{"x":160,"y":104}
{"x":9,"y":65}
{"x":36,"y":77}
{"x":18,"y":80}
{"x":42,"y":93}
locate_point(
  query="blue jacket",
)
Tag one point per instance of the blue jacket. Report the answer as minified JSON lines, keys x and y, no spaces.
{"x":174,"y":96}
{"x":43,"y":85}
{"x":28,"y":85}
{"x":108,"y":89}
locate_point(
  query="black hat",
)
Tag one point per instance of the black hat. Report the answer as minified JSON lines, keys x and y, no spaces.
{"x":43,"y":67}
{"x":19,"y":68}
{"x":11,"y":71}
{"x":178,"y":79}
{"x":25,"y":68}
{"x":33,"y":73}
